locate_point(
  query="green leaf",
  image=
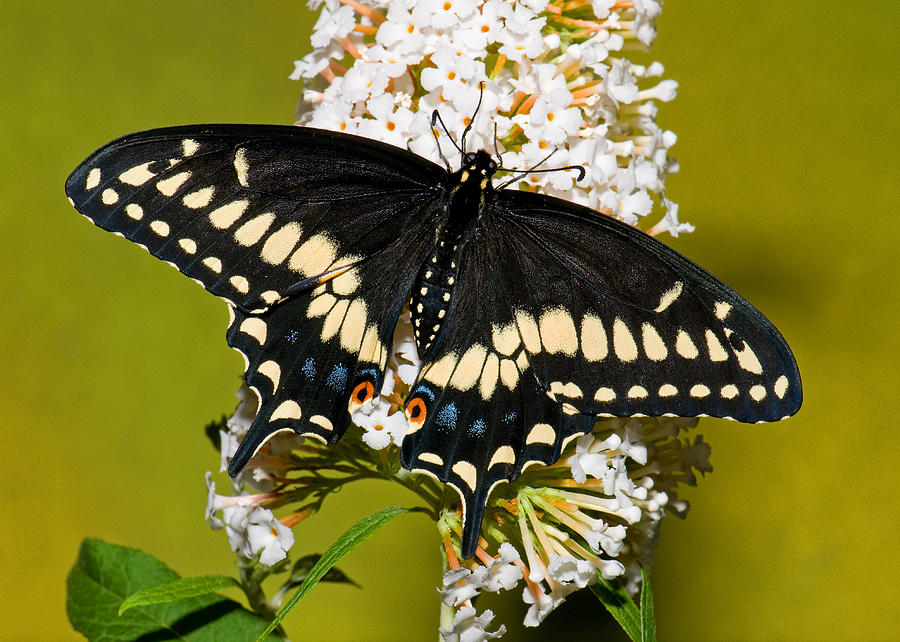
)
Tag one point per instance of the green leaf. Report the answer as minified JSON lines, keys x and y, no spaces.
{"x":305,"y":564}
{"x":353,"y":537}
{"x":105,"y":574}
{"x":648,"y":620}
{"x":620,"y":605}
{"x":178,"y":590}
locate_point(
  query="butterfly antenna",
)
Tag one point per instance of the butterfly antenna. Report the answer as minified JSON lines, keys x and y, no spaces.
{"x":436,"y":118}
{"x":462,"y":140}
{"x":534,"y":170}
{"x":496,"y":148}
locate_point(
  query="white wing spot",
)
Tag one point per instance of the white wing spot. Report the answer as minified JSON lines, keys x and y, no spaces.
{"x":503,"y":455}
{"x":653,"y":343}
{"x":314,"y":256}
{"x":716,"y":351}
{"x":466,"y":472}
{"x":440,"y":371}
{"x":684,"y":346}
{"x":335,"y":319}
{"x":757,"y":393}
{"x":109,"y":196}
{"x":558,"y":332}
{"x":188,"y":245}
{"x":506,"y":339}
{"x":699,"y":391}
{"x":323,"y":422}
{"x":593,"y":338}
{"x":287,"y":410}
{"x":509,"y":374}
{"x":748,"y":360}
{"x":213,"y":263}
{"x":160,"y":227}
{"x":137,"y":175}
{"x":226,"y":215}
{"x":529,"y":331}
{"x":604,"y":394}
{"x":431,"y":458}
{"x":280,"y":243}
{"x":729,"y":392}
{"x":489,"y":375}
{"x":189,"y":147}
{"x":271,"y":370}
{"x":637,"y":392}
{"x":667,"y":390}
{"x":469,"y":367}
{"x":569,"y":389}
{"x":255,"y":327}
{"x":241,"y":166}
{"x":168,"y":186}
{"x":253,"y":230}
{"x":93,"y":179}
{"x":623,"y":342}
{"x":134,"y":211}
{"x":240,"y":284}
{"x":668,"y":297}
{"x":781,"y":386}
{"x":270,"y":297}
{"x":200,"y":198}
{"x":541,"y":434}
{"x":722,"y":310}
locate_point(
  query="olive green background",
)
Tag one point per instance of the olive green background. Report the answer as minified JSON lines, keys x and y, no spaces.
{"x":112,"y":363}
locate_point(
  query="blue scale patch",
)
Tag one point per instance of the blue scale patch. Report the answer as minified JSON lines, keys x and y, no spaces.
{"x":477,"y":428}
{"x":309,"y":368}
{"x":446,"y":417}
{"x":292,"y":336}
{"x":509,"y":417}
{"x":337,"y":380}
{"x":426,"y":391}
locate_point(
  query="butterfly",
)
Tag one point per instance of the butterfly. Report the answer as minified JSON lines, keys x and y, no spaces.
{"x":532,"y":316}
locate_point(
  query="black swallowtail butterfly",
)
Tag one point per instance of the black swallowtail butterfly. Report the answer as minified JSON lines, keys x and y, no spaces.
{"x":532,"y":315}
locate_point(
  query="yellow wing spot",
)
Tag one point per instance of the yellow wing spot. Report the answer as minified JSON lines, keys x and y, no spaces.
{"x":716,"y":351}
{"x":593,"y":338}
{"x":469,"y":367}
{"x":270,"y":296}
{"x":354,"y":326}
{"x":637,"y":392}
{"x":287,"y":410}
{"x":313,"y":257}
{"x":323,"y":422}
{"x":189,"y":147}
{"x":509,"y":373}
{"x":729,"y":392}
{"x":722,"y":309}
{"x":253,"y":230}
{"x":431,"y":458}
{"x":623,"y":342}
{"x":200,"y":198}
{"x":137,"y":175}
{"x":654,"y":347}
{"x":558,"y":332}
{"x":109,"y":196}
{"x":748,"y":360}
{"x":93,"y":179}
{"x":541,"y":434}
{"x":135,"y":211}
{"x":506,"y":339}
{"x":335,"y":319}
{"x":757,"y":393}
{"x":321,"y":305}
{"x":489,"y":375}
{"x":529,"y":331}
{"x":160,"y":227}
{"x":346,"y":283}
{"x":440,"y":371}
{"x":684,"y":346}
{"x":668,"y":297}
{"x":256,"y":328}
{"x":168,"y":186}
{"x":667,"y":390}
{"x":781,"y":386}
{"x":467,"y":473}
{"x":271,"y":370}
{"x":213,"y":263}
{"x":568,"y":389}
{"x":280,"y":243}
{"x":569,"y":409}
{"x":699,"y":391}
{"x":241,"y":166}
{"x":604,"y":394}
{"x":503,"y":455}
{"x":240,"y":283}
{"x":188,"y":245}
{"x":227,"y":215}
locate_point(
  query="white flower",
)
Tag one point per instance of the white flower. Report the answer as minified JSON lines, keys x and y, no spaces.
{"x":469,"y":627}
{"x":267,"y":537}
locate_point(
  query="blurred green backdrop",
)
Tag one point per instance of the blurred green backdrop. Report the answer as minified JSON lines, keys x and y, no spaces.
{"x":787,"y":118}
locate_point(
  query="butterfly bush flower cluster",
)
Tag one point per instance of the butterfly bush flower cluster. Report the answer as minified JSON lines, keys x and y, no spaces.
{"x":555,"y":89}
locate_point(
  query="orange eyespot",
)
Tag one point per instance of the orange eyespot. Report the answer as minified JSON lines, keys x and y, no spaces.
{"x":416,"y":411}
{"x":363,"y":392}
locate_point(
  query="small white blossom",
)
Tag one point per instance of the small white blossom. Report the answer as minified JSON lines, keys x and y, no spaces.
{"x":467,"y":626}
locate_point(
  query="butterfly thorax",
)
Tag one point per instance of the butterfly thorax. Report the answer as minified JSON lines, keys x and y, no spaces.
{"x":433,"y":288}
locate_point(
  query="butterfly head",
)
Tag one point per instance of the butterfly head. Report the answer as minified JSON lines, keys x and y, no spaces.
{"x":477,"y":167}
